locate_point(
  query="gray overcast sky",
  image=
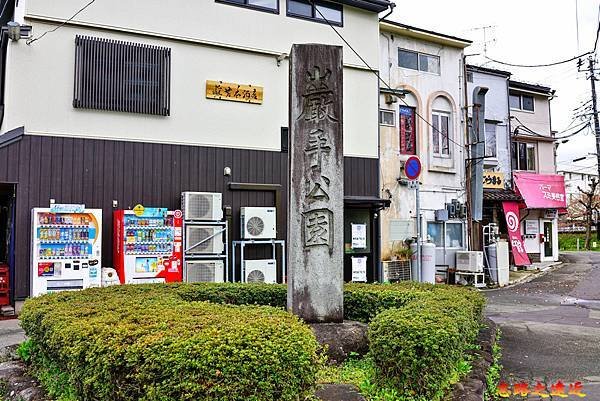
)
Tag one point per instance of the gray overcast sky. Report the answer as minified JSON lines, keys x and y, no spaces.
{"x":524,"y":32}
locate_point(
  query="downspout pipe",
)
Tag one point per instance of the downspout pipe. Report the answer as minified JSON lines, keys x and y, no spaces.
{"x":392,"y":6}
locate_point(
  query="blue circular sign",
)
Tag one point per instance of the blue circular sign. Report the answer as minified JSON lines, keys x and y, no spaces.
{"x":412,"y":168}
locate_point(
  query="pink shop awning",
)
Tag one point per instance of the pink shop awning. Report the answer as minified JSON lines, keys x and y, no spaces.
{"x":541,"y":191}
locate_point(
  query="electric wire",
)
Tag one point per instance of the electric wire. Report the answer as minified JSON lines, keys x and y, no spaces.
{"x":553,"y":63}
{"x":376,"y":73}
{"x":30,"y":41}
{"x":4,"y":8}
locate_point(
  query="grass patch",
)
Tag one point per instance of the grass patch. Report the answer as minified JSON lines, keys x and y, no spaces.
{"x":361,"y":372}
{"x":568,"y":242}
{"x":493,"y":373}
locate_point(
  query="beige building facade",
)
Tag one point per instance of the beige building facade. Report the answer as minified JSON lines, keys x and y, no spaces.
{"x":421,"y":114}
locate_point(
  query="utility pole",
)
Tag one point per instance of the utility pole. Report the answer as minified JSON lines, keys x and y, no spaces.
{"x":592,"y":78}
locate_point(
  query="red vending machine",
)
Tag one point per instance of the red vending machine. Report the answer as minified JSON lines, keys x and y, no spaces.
{"x":148,"y":245}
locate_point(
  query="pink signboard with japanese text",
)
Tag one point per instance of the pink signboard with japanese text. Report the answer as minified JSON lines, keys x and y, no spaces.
{"x":511,"y":212}
{"x":541,"y":191}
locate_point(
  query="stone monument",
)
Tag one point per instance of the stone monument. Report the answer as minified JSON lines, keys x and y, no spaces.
{"x":316,"y":198}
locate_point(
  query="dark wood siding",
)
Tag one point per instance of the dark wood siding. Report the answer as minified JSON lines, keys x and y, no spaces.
{"x":94,"y":172}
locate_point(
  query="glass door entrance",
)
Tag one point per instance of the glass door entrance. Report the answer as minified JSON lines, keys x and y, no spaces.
{"x":548,"y":246}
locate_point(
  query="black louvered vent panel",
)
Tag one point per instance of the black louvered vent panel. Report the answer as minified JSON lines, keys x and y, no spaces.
{"x":122,"y":76}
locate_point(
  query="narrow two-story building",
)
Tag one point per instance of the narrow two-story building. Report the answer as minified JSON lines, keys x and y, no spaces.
{"x":117,"y":103}
{"x":421,"y":114}
{"x":534,"y":169}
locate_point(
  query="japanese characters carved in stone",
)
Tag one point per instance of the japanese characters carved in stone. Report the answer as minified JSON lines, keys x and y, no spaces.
{"x":316,"y":200}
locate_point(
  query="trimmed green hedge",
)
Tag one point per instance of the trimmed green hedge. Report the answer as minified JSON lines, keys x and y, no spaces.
{"x":142,"y":345}
{"x":164,"y":341}
{"x":417,"y":348}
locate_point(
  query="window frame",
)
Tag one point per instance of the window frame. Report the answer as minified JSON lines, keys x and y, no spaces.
{"x":419,"y":54}
{"x":495,"y":125}
{"x":437,"y":115}
{"x":521,"y":96}
{"x":315,"y":16}
{"x":444,"y":233}
{"x":393,"y":112}
{"x":414,"y":131}
{"x":516,"y":156}
{"x":462,"y":234}
{"x":251,"y":6}
{"x":532,"y":103}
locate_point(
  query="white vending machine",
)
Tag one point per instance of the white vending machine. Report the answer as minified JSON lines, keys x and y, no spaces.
{"x":66,"y":248}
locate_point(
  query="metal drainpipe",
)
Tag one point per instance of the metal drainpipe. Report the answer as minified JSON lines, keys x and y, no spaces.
{"x":379,"y":222}
{"x":468,"y":161}
{"x":392,"y":6}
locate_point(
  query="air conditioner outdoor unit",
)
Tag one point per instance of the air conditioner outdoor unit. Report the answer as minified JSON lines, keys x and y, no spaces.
{"x":261,"y":271}
{"x":202,"y":240}
{"x":204,"y":206}
{"x":204,"y":271}
{"x":258,"y":222}
{"x":469,"y":261}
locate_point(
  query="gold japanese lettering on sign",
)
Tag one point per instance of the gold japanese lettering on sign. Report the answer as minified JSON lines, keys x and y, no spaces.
{"x":493,"y":180}
{"x":234,"y":92}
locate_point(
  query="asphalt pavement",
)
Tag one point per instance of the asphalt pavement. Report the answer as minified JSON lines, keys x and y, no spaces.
{"x":10,"y":333}
{"x":551,"y":326}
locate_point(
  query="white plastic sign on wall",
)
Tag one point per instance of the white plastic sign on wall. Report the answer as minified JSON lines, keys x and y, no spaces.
{"x":359,"y":269}
{"x":359,"y":236}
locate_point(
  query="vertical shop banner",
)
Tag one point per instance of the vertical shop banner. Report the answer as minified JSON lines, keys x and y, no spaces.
{"x":511,"y":212}
{"x":407,"y":130}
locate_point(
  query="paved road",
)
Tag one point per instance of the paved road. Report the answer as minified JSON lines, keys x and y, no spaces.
{"x":551,"y":325}
{"x":10,"y":333}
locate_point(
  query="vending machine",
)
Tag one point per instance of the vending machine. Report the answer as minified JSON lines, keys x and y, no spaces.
{"x":148,"y":245}
{"x":66,"y":248}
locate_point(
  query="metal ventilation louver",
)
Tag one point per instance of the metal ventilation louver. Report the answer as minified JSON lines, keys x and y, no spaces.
{"x":256,"y":276}
{"x":255,"y":226}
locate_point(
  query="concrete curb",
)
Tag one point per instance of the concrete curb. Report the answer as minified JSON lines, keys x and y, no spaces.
{"x":528,"y":278}
{"x":474,"y":385}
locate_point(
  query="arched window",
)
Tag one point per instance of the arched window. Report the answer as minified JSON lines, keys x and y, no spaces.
{"x":441,"y":131}
{"x":407,"y":125}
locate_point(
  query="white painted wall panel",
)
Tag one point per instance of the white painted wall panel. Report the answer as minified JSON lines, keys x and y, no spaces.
{"x":40,"y":93}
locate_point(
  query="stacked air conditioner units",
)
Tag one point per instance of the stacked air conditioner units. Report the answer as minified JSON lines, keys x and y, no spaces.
{"x":205,"y":237}
{"x":259,"y":224}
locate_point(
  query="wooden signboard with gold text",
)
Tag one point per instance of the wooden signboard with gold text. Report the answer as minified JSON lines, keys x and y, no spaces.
{"x":493,"y":180}
{"x":234,"y":92}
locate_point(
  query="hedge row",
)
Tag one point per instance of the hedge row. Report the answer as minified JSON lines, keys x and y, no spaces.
{"x":130,"y":346}
{"x":418,"y":332}
{"x":417,"y":348}
{"x":164,"y":341}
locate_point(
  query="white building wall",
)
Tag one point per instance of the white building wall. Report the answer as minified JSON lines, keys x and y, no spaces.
{"x":441,"y":179}
{"x":204,"y":47}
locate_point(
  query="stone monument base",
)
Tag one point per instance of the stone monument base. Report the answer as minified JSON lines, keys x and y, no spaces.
{"x":342,"y":339}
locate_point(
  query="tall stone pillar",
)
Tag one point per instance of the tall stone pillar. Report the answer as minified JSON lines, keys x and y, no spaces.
{"x":316,"y":196}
